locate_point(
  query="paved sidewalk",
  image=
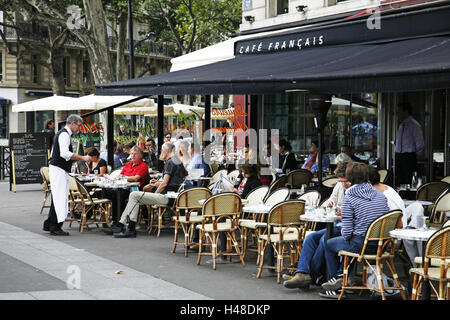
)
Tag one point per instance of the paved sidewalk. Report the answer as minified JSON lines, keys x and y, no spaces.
{"x":99,"y":277}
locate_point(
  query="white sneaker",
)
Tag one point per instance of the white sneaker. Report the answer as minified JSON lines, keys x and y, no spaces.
{"x":333,"y":284}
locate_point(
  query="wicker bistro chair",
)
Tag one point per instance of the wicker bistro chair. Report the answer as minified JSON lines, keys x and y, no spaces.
{"x":248,"y":223}
{"x":298,"y":177}
{"x":431,"y":191}
{"x":434,"y":262}
{"x":277,"y":184}
{"x":283,"y":232}
{"x":277,"y":196}
{"x":383,"y":174}
{"x":437,"y":249}
{"x":257,"y":195}
{"x":99,"y":210}
{"x":216,"y":176}
{"x":74,"y":201}
{"x":46,"y":184}
{"x":220,"y":213}
{"x":377,"y":231}
{"x":442,"y":205}
{"x":312,"y":198}
{"x":233,"y":175}
{"x":446,"y":179}
{"x":214,"y":167}
{"x":187,"y":201}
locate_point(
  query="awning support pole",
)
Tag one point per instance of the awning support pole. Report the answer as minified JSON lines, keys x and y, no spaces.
{"x":160,"y":120}
{"x":110,"y":137}
{"x":207,"y":126}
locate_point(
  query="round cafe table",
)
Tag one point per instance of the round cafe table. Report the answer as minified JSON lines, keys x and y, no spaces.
{"x":257,"y":208}
{"x":417,"y":235}
{"x":202,"y":201}
{"x":118,"y":185}
{"x":422,"y":202}
{"x":329,"y":219}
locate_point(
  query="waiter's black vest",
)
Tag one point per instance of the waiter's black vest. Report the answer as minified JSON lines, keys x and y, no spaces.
{"x":56,"y":159}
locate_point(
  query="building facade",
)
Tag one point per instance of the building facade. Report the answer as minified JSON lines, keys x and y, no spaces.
{"x":367,"y":121}
{"x":21,"y":81}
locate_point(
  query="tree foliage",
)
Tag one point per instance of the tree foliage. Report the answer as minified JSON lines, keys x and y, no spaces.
{"x":193,"y":24}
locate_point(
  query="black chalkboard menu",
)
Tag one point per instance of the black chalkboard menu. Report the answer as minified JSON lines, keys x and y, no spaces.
{"x":30,"y":151}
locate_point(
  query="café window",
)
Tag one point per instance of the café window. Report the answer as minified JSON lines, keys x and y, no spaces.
{"x":1,"y":65}
{"x":282,"y":6}
{"x":66,"y":70}
{"x":36,"y":120}
{"x":34,"y":68}
{"x":353,"y":120}
{"x":3,"y":118}
{"x":86,"y":72}
{"x":294,"y":119}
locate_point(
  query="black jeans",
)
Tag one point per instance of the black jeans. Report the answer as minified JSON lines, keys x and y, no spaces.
{"x":405,"y":165}
{"x":115,"y":195}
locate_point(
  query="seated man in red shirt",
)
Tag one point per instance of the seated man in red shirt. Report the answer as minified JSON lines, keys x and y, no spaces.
{"x":135,"y":170}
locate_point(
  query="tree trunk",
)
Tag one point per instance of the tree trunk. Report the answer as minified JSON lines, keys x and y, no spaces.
{"x":96,"y":41}
{"x":121,"y":38}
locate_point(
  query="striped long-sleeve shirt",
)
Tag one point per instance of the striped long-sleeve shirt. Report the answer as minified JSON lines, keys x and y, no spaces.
{"x":362,"y":204}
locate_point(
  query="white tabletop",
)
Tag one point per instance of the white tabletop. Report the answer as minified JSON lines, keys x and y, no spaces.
{"x":199,"y":178}
{"x":202,"y":201}
{"x":422,"y":202}
{"x":257,"y":208}
{"x":116,"y":184}
{"x":410,"y":189}
{"x":297,"y":191}
{"x":412,"y":234}
{"x":83,"y":177}
{"x":320,"y":218}
{"x":172,"y":195}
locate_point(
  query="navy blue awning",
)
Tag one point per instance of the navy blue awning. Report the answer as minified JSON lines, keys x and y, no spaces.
{"x":4,"y":100}
{"x":413,"y":64}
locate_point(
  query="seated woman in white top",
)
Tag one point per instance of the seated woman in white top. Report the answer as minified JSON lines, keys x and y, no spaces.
{"x":395,"y":202}
{"x":339,"y":189}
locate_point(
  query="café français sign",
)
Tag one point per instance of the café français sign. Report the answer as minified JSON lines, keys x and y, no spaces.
{"x":269,"y":45}
{"x":393,"y":27}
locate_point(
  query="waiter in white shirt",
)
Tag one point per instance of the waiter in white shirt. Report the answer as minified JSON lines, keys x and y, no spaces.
{"x":409,"y":144}
{"x":60,"y":166}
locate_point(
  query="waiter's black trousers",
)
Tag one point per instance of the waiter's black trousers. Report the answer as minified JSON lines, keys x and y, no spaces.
{"x":405,"y":165}
{"x":52,"y":221}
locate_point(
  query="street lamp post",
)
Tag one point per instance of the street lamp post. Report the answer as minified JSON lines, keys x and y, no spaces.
{"x":130,"y":41}
{"x":131,"y":44}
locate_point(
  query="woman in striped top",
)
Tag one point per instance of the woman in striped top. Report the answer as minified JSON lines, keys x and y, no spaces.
{"x":362,"y":204}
